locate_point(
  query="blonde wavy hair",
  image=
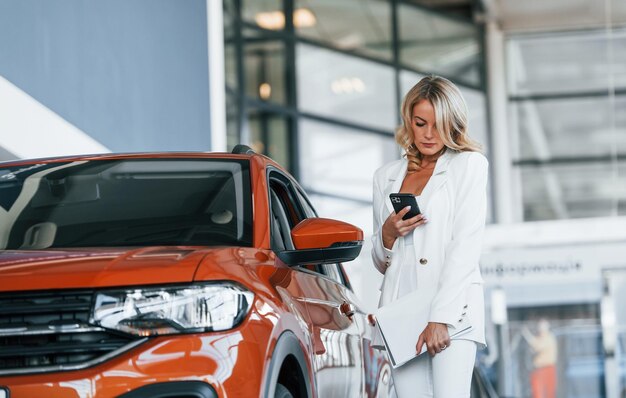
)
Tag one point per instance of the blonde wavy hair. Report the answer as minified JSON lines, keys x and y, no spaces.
{"x":450,"y":117}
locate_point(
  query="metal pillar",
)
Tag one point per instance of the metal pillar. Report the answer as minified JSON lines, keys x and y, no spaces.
{"x":501,"y":168}
{"x":217,"y":85}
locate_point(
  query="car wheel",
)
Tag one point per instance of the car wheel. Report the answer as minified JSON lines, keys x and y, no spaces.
{"x":282,"y":392}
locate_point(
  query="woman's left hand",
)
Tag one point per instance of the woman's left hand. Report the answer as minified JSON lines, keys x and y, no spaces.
{"x":436,"y":338}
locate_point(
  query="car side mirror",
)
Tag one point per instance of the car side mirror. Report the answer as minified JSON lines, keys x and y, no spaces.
{"x":322,"y":240}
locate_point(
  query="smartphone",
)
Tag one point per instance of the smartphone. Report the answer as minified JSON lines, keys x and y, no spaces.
{"x":402,"y":200}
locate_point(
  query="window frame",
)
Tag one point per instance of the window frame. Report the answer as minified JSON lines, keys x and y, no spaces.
{"x":297,"y":202}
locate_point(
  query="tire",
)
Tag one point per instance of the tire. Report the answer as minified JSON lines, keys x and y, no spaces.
{"x":282,"y":392}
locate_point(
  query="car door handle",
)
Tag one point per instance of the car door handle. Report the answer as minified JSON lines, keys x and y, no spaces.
{"x":347,"y":309}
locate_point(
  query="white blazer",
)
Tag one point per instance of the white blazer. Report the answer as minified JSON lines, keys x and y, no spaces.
{"x":448,"y":246}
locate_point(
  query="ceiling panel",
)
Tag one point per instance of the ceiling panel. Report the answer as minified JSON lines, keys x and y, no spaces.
{"x":534,"y":15}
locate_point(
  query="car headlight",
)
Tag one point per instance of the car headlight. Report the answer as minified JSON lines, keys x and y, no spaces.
{"x":154,"y":311}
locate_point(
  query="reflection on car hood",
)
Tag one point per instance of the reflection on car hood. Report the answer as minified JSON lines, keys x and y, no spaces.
{"x":97,"y":267}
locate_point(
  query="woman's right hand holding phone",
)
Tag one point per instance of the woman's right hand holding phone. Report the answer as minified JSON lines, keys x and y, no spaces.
{"x":395,"y":226}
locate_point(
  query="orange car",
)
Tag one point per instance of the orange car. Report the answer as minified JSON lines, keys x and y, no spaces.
{"x":176,"y":275}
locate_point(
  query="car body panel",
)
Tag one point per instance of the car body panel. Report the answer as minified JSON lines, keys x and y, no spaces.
{"x":230,"y":361}
{"x":336,"y":338}
{"x":81,"y":268}
{"x":314,"y":233}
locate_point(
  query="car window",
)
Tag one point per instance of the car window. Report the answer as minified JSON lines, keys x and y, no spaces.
{"x":305,"y":204}
{"x":285,"y":212}
{"x":292,"y":206}
{"x":291,"y":211}
{"x":126,"y":202}
{"x":280,"y":225}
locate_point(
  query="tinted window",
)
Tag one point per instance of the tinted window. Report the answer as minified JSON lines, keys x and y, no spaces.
{"x":285,"y":214}
{"x":130,"y":202}
{"x":281,"y":230}
{"x":306,"y":206}
{"x":283,"y":195}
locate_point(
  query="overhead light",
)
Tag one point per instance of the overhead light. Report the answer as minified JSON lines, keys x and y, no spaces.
{"x":304,"y":18}
{"x":275,"y":20}
{"x":347,"y":85}
{"x":350,"y":41}
{"x":335,"y":86}
{"x":265,"y":90}
{"x":358,"y":84}
{"x":272,"y":20}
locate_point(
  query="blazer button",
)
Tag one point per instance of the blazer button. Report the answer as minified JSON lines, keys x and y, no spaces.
{"x":423,"y":261}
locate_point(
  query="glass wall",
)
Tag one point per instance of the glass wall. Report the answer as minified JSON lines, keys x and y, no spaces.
{"x":320,"y":91}
{"x":432,"y":42}
{"x":567,"y":116}
{"x":345,"y":168}
{"x":338,"y":86}
{"x":567,"y":100}
{"x":344,"y":63}
{"x":351,"y":26}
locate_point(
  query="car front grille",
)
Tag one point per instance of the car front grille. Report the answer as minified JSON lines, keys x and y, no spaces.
{"x":44,"y":332}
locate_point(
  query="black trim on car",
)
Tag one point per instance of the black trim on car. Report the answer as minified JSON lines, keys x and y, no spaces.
{"x":286,"y":345}
{"x":173,"y":389}
{"x":333,"y":254}
{"x":83,"y":327}
{"x":290,"y":185}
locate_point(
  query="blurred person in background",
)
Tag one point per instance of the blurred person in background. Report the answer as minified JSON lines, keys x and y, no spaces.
{"x":544,"y":346}
{"x":437,"y":251}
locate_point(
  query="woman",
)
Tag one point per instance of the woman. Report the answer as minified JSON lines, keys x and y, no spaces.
{"x":543,"y":378}
{"x":436,"y":252}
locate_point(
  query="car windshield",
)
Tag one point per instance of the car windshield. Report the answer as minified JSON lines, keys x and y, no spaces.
{"x":128,"y":202}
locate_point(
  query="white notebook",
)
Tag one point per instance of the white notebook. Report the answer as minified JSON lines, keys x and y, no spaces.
{"x":402,"y":321}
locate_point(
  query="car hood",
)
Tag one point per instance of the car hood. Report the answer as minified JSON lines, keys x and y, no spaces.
{"x":91,"y":268}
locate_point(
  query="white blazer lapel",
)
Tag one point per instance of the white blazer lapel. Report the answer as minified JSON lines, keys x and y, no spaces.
{"x":394,"y":183}
{"x":437,"y":180}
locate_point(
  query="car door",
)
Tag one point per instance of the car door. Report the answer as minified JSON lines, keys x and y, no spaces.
{"x":335,"y":336}
{"x":376,"y":372}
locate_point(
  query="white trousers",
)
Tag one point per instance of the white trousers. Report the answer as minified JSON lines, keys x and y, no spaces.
{"x":446,"y":375}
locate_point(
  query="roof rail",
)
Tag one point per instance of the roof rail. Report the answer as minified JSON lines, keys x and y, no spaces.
{"x":242,"y":149}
